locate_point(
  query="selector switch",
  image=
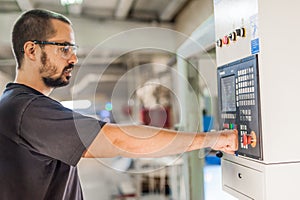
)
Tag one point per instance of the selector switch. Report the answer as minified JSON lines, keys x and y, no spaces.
{"x":232,"y":36}
{"x":241,"y":32}
{"x":219,"y":43}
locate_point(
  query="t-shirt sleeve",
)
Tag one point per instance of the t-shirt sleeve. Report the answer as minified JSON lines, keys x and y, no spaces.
{"x":50,"y":129}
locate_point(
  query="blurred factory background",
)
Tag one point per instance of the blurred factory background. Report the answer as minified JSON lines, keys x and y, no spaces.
{"x":145,"y":62}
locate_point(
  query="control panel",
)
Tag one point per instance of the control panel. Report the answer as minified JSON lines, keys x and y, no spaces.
{"x":239,"y":106}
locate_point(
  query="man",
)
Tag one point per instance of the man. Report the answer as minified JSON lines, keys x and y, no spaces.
{"x":41,"y":141}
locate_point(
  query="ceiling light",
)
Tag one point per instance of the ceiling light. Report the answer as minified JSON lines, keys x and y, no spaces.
{"x":70,"y":2}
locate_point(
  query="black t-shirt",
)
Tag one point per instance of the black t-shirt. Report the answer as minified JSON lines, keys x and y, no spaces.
{"x":40,"y":144}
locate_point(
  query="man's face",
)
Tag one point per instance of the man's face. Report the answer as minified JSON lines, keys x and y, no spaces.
{"x":57,"y":62}
{"x":52,"y":74}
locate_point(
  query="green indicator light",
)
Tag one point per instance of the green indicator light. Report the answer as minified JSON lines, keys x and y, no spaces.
{"x":108,"y":106}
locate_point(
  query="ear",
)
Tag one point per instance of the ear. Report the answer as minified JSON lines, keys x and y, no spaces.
{"x":30,"y":50}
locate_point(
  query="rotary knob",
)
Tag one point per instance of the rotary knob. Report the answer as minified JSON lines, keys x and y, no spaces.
{"x":219,"y":43}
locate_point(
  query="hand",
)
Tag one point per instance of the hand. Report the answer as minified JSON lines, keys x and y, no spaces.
{"x":227,"y":141}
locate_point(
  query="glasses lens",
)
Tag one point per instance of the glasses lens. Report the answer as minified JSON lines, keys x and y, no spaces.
{"x":68,"y":51}
{"x":65,"y":49}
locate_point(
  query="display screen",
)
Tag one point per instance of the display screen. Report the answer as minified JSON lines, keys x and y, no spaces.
{"x":228,"y":94}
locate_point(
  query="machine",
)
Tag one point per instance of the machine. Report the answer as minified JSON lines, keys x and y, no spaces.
{"x":239,"y":104}
{"x":258,"y":72}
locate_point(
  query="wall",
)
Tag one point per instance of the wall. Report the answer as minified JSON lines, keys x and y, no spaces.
{"x":4,"y":79}
{"x":193,"y":15}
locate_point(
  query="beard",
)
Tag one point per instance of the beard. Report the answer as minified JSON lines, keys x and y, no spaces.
{"x":54,"y":83}
{"x":51,"y":69}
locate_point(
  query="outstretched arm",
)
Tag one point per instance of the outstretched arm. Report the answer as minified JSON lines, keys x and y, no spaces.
{"x":144,"y":141}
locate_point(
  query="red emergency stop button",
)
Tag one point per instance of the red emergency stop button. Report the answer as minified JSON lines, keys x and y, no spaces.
{"x":249,"y":139}
{"x":245,"y":139}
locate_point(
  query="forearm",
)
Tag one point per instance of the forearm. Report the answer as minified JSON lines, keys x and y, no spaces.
{"x":143,"y":141}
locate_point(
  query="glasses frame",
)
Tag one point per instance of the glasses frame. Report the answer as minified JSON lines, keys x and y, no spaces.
{"x":65,"y":44}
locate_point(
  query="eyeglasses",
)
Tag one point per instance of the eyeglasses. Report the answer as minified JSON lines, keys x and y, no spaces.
{"x":67,"y":49}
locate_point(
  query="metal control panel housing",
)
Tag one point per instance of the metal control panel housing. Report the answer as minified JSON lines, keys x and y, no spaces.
{"x":239,"y":105}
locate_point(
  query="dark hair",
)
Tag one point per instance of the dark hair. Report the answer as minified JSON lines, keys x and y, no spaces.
{"x":33,"y":25}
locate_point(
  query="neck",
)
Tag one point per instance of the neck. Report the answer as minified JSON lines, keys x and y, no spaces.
{"x":32,"y":82}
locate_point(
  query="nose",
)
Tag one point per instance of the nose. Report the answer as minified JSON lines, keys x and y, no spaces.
{"x":73,"y":59}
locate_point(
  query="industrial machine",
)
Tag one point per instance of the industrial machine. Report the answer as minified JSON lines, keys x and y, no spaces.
{"x":258,"y":72}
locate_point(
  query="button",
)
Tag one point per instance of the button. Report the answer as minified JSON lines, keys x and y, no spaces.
{"x":231,"y":126}
{"x":226,"y":126}
{"x":225,"y":40}
{"x":245,"y":140}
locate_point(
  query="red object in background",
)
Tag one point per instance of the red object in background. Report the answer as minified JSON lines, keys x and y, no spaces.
{"x":158,"y":117}
{"x":127,"y":110}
